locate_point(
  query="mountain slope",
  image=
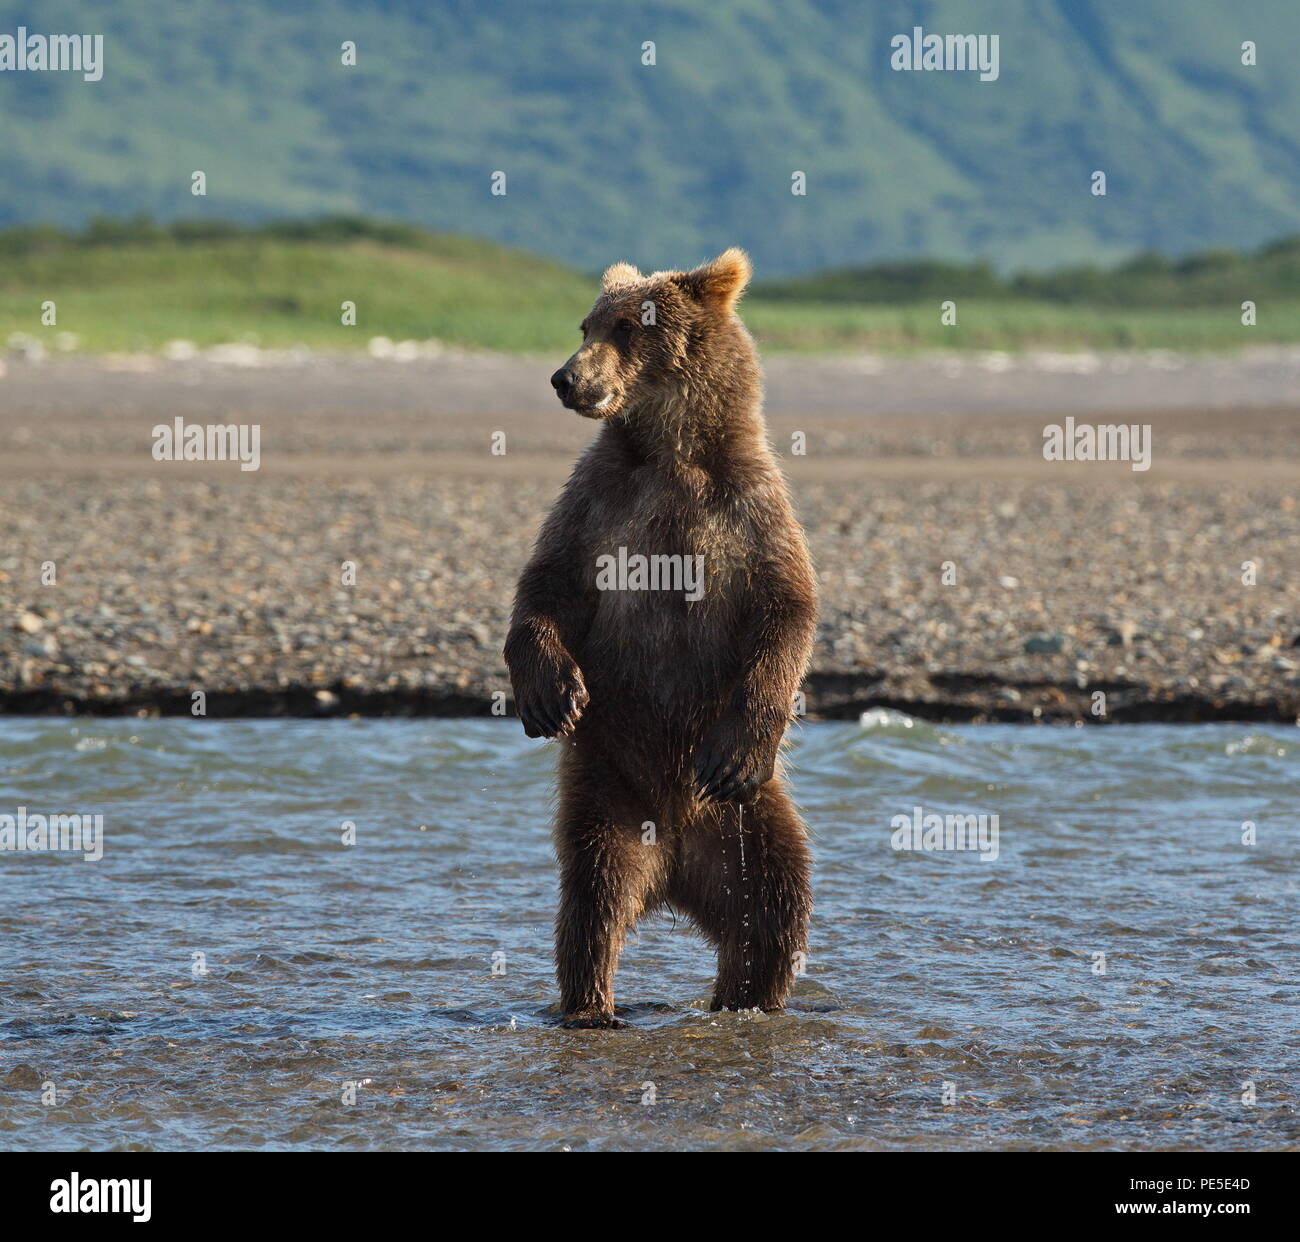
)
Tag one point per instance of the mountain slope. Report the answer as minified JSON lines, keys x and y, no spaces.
{"x":606,"y":157}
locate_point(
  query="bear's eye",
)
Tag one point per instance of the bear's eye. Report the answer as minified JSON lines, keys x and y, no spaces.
{"x":623,"y":329}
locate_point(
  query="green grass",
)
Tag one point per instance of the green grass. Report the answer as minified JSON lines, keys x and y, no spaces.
{"x":279,"y":290}
{"x":1004,"y":325}
{"x":280,"y":293}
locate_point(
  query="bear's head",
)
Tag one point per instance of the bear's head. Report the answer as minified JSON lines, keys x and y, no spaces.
{"x":650,"y":339}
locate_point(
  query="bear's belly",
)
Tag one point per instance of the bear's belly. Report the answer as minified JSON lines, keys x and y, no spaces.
{"x":655,"y":654}
{"x":663,"y":651}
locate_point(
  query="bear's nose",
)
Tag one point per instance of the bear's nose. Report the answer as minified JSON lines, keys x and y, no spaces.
{"x":562,"y":382}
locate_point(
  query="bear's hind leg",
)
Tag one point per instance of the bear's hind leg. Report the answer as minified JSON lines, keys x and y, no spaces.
{"x":747,"y":885}
{"x":607,"y":876}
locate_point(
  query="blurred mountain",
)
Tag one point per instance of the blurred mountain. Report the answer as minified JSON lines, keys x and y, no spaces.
{"x":608,"y":157}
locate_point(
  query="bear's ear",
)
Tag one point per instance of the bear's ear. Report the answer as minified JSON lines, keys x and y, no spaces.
{"x":617,"y":275}
{"x":720,"y":282}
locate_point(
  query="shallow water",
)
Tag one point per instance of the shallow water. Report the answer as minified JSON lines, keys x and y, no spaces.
{"x":373,"y":963}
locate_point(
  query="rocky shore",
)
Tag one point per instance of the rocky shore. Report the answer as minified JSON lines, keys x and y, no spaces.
{"x":367,"y":565}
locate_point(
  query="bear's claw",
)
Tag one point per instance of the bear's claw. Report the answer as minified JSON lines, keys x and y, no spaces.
{"x":555,"y":711}
{"x":720,"y":777}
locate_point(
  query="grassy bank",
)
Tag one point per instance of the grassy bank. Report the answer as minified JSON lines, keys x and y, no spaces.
{"x":135,"y":287}
{"x":1003,"y":325}
{"x":284,"y":291}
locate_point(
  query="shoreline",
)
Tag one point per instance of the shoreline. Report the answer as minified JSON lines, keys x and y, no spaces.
{"x":962,"y":577}
{"x":831,"y":697}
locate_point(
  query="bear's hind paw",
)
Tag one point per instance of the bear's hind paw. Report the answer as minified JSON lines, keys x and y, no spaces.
{"x":593,"y":1022}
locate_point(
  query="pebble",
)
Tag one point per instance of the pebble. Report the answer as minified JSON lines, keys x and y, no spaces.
{"x":225,"y":583}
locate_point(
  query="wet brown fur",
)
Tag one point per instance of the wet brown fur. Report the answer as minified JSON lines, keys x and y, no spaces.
{"x":648,"y":692}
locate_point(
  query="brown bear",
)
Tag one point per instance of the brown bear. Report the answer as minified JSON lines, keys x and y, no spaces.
{"x":670,"y":702}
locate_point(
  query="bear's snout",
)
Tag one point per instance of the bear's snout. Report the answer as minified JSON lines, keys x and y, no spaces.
{"x":562,"y":382}
{"x":578,"y":392}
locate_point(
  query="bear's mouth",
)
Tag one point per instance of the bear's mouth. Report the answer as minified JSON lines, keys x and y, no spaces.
{"x":590,"y":409}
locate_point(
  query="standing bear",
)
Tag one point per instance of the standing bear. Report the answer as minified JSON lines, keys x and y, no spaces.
{"x":660,"y":631}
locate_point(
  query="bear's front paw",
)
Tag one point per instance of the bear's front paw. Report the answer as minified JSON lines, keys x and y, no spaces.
{"x":551,"y":706}
{"x":731,"y":767}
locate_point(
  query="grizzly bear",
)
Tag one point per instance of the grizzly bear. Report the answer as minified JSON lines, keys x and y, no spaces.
{"x":670,"y":703}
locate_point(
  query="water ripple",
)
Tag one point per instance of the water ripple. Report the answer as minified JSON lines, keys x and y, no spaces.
{"x":233,"y":974}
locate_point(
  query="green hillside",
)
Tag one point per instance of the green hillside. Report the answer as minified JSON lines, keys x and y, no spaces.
{"x":286,"y":285}
{"x":1215,"y":278}
{"x":606,"y":157}
{"x":131,"y":285}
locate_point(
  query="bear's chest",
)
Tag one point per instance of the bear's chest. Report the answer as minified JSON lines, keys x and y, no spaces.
{"x":666,"y":549}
